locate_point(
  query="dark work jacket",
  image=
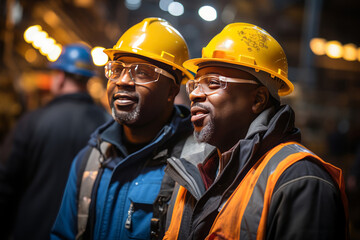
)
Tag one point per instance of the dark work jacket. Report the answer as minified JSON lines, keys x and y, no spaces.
{"x":34,"y":177}
{"x":308,"y":209}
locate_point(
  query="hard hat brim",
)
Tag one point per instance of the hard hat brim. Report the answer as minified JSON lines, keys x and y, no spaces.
{"x":193,"y":65}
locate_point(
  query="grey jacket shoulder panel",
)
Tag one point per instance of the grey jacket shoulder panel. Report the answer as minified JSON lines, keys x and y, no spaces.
{"x":185,"y":171}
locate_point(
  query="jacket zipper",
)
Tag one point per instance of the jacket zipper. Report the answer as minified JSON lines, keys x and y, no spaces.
{"x":128,"y":221}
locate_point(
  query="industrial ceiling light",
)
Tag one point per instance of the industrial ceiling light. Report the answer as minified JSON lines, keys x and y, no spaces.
{"x":207,"y":13}
{"x":176,"y":9}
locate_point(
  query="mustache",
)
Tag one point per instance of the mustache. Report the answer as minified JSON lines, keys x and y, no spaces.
{"x":200,"y":105}
{"x":130,"y":94}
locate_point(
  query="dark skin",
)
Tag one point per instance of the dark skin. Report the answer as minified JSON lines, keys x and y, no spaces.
{"x":230,"y":111}
{"x":143,"y":110}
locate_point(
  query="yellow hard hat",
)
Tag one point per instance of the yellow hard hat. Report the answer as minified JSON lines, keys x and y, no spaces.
{"x":156,"y":39}
{"x":247,"y":45}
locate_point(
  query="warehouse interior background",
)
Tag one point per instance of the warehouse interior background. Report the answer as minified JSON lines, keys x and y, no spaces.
{"x":326,"y":99}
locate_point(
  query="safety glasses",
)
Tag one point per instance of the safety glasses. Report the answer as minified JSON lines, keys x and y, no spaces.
{"x":211,"y":83}
{"x":140,"y":73}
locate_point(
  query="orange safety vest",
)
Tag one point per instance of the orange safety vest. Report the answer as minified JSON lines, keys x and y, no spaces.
{"x":244,"y":215}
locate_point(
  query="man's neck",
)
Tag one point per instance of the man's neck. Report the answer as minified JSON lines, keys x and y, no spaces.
{"x":145,"y":133}
{"x":70,"y":87}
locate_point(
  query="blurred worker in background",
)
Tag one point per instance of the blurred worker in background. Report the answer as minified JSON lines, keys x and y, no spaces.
{"x":261,"y":183}
{"x":126,"y":195}
{"x":45,"y":142}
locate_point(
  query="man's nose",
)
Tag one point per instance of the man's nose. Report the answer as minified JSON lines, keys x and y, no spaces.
{"x":125,"y":78}
{"x":197,"y":94}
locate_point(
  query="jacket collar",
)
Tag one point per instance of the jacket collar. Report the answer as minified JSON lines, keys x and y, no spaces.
{"x":268,"y":130}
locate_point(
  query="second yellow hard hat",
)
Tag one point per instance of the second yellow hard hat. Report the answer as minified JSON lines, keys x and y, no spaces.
{"x":252,"y":47}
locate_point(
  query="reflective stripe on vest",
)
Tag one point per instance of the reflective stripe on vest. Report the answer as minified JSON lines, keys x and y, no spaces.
{"x":245,"y":213}
{"x":87,"y":183}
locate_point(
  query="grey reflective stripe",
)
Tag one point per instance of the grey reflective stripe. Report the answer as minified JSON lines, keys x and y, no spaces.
{"x":252,"y":214}
{"x":86,"y":186}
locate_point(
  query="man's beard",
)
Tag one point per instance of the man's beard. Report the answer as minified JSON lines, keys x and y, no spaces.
{"x":206,"y":132}
{"x":126,"y":117}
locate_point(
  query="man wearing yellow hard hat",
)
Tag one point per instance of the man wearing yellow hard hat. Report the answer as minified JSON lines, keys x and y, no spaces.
{"x":117,"y":188}
{"x":261,"y":183}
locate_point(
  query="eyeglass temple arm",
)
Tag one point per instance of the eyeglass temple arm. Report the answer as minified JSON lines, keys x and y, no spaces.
{"x":165,"y":73}
{"x":238,"y":80}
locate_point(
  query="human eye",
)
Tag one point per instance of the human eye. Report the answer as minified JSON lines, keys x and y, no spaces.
{"x":144,"y":71}
{"x":117,"y":70}
{"x":114,"y":72}
{"x":213,"y":82}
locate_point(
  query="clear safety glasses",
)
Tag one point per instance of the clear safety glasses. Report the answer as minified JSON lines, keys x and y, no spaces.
{"x":140,"y":73}
{"x":210,"y":83}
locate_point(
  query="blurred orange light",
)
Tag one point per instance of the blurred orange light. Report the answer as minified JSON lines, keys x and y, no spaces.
{"x":51,"y":18}
{"x":317,"y":45}
{"x":30,"y":55}
{"x":350,"y":52}
{"x":84,"y":3}
{"x":334,"y":49}
{"x":43,"y":82}
{"x":96,"y":88}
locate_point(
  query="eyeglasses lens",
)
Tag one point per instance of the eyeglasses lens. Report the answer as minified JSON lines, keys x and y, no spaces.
{"x":140,"y":73}
{"x":207,"y":84}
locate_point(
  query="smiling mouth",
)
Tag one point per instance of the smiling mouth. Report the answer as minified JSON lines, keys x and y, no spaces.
{"x":122,"y":100}
{"x":198,"y":115}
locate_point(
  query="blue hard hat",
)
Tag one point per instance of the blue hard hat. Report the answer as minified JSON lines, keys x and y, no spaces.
{"x":75,"y":59}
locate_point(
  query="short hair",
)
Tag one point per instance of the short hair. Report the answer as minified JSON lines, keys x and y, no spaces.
{"x":77,"y":78}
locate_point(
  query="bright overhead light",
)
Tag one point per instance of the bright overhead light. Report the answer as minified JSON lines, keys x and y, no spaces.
{"x":350,"y":52}
{"x":317,"y":46}
{"x":39,"y":39}
{"x":30,"y":33}
{"x":55,"y":53}
{"x":47,"y":46}
{"x":208,"y":13}
{"x":133,"y":4}
{"x":334,"y":49}
{"x":176,"y":9}
{"x":164,"y":4}
{"x":98,"y":56}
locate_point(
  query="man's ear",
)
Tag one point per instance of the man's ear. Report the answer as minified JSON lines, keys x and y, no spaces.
{"x":261,"y":99}
{"x":57,"y":82}
{"x":62,"y":79}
